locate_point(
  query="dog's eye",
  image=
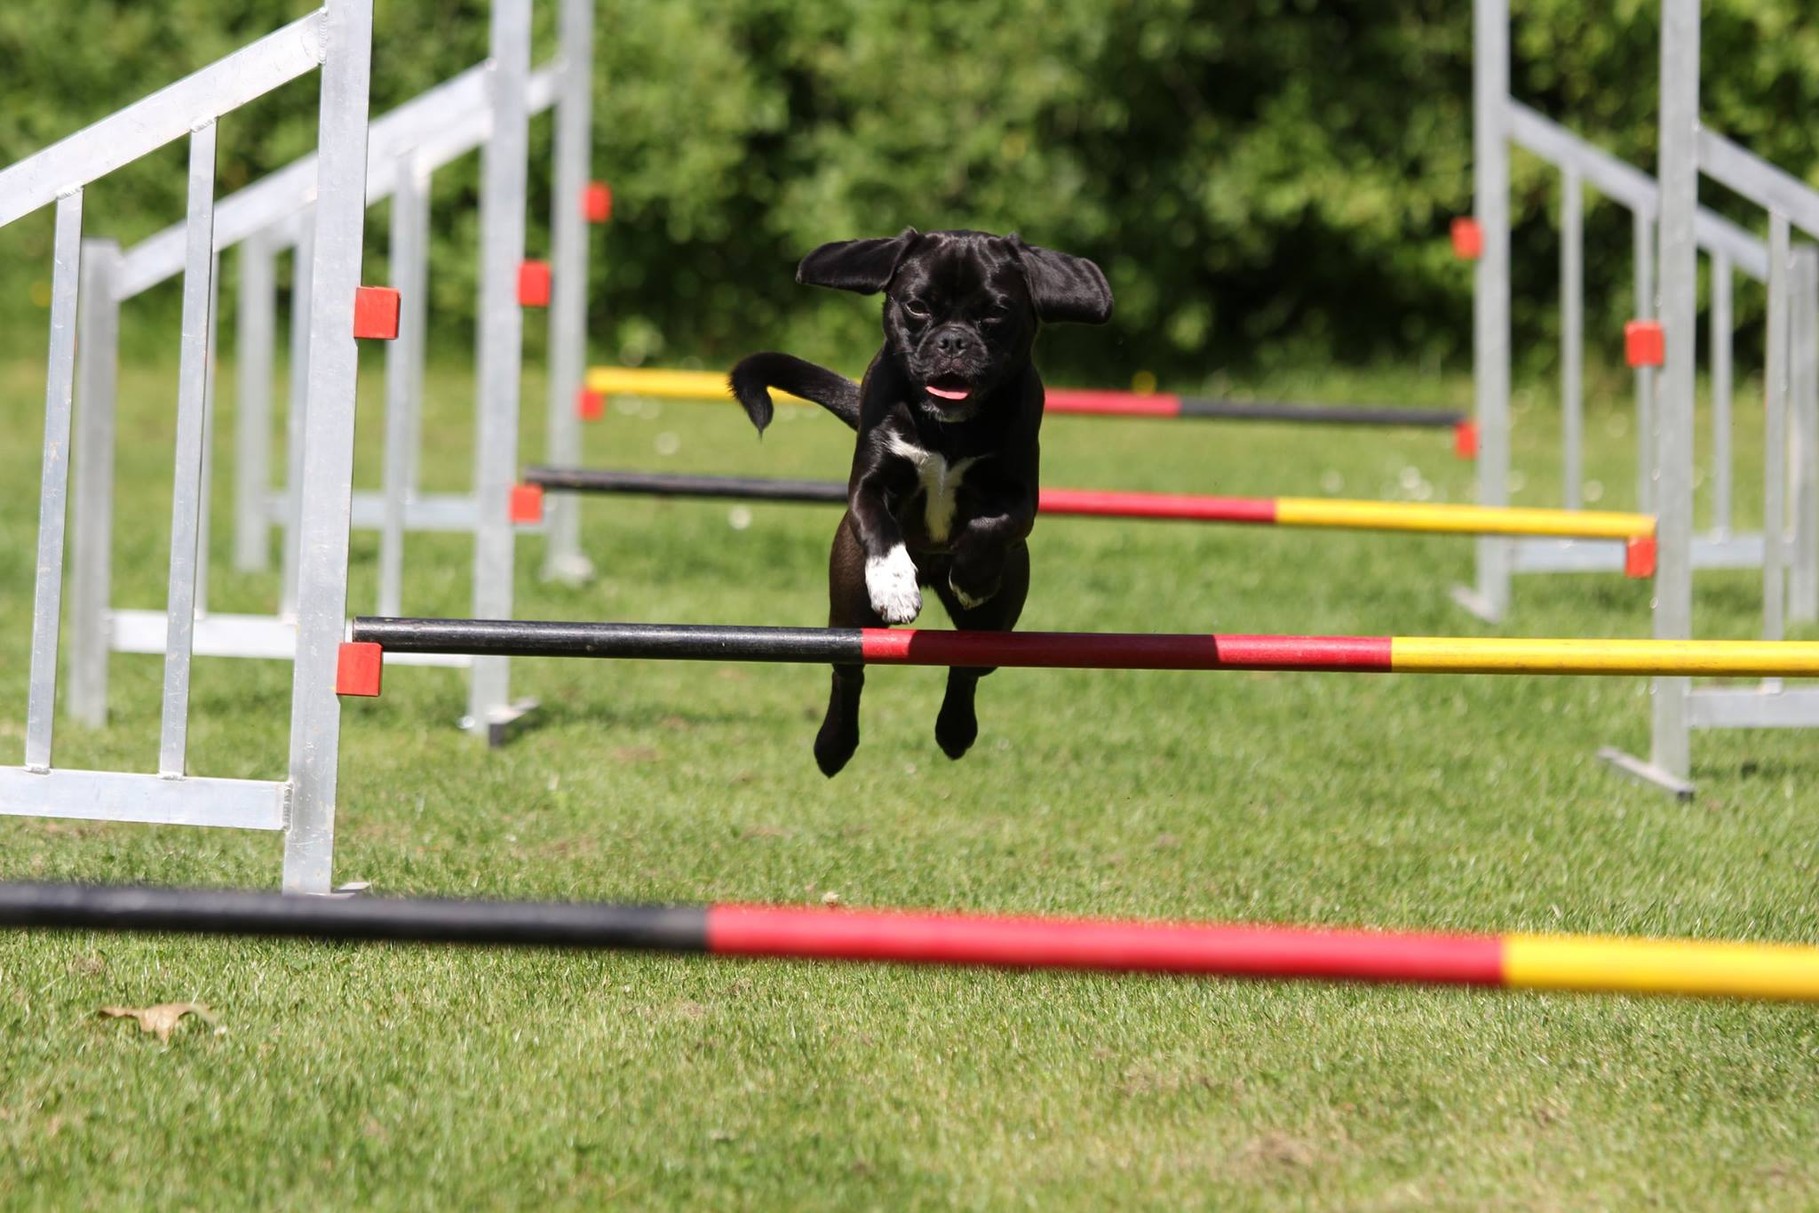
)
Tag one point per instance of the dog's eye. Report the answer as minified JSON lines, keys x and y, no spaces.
{"x":916,"y":308}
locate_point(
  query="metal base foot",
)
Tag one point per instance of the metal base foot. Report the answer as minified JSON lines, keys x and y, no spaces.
{"x":1480,"y":606}
{"x":353,"y":888}
{"x":570,"y":569}
{"x":500,"y":722}
{"x":1647,"y":772}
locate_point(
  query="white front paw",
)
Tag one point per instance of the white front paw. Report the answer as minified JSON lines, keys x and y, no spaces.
{"x":890,"y":580}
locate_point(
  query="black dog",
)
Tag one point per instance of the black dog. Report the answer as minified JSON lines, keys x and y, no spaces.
{"x":943,"y":486}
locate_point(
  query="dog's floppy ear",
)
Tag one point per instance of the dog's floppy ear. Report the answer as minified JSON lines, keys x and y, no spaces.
{"x":1065,"y":289}
{"x":864,"y":266}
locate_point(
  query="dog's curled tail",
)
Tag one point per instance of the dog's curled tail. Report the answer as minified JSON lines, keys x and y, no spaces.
{"x":752,"y":379}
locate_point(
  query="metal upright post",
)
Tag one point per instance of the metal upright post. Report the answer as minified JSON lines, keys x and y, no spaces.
{"x":59,"y":404}
{"x":504,"y":173}
{"x":328,"y":457}
{"x":1491,"y":325}
{"x":206,"y":497}
{"x":1775,"y":434}
{"x":1803,"y":445}
{"x":98,"y":351}
{"x":410,"y":253}
{"x":255,"y":331}
{"x":562,"y":559}
{"x":1722,"y":331}
{"x":296,"y":422}
{"x":1679,"y":178}
{"x":1572,"y":335}
{"x":413,"y":337}
{"x":186,"y":490}
{"x":1643,"y":230}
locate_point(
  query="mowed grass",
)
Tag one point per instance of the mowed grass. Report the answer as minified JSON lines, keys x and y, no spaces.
{"x":403,"y":1077}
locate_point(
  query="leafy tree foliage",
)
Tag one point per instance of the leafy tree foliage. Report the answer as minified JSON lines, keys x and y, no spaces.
{"x":1263,"y":181}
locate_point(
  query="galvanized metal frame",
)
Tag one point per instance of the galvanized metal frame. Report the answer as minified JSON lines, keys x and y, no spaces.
{"x":1687,"y":152}
{"x":1490,"y":597}
{"x":404,"y":368}
{"x":186,"y":492}
{"x":1803,"y":435}
{"x":1572,"y":336}
{"x":337,"y":41}
{"x":465,"y":124}
{"x":562,"y":557}
{"x":92,"y":500}
{"x":501,"y":340}
{"x":303,"y":260}
{"x":1731,"y":249}
{"x":328,"y":452}
{"x":265,"y":219}
{"x":59,"y":394}
{"x":1667,"y":215}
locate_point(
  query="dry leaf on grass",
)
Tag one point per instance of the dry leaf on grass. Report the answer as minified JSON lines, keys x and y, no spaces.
{"x":162,"y":1018}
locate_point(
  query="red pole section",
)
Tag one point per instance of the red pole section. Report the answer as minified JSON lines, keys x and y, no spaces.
{"x":1111,"y":404}
{"x":1125,"y":650}
{"x":1184,"y":507}
{"x":1230,"y":951}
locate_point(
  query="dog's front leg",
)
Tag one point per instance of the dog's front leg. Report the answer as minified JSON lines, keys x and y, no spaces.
{"x":890,"y":573}
{"x":987,"y":582}
{"x":981,"y":549}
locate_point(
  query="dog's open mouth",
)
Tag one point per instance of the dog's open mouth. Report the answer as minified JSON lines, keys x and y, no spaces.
{"x":949,"y":387}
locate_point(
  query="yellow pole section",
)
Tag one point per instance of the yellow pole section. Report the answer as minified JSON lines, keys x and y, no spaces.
{"x":1661,"y":966}
{"x":665,"y":384}
{"x":1460,"y":519}
{"x":1694,"y":658}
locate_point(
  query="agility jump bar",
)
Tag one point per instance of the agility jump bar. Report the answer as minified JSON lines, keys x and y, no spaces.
{"x":369,"y":638}
{"x":1635,"y":531}
{"x":1528,"y":962}
{"x":665,"y":384}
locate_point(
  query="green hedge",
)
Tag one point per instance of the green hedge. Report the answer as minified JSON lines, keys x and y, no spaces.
{"x":1262,"y":182}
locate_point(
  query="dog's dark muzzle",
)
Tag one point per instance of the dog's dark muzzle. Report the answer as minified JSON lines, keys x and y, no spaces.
{"x":952,"y":356}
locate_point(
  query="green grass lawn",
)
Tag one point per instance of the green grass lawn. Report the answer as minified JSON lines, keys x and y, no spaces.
{"x":392,"y":1077}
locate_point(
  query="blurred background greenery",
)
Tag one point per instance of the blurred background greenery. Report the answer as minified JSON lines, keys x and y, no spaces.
{"x":1265,"y":181}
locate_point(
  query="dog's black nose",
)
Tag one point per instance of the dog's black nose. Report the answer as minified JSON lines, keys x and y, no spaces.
{"x":951,"y":342}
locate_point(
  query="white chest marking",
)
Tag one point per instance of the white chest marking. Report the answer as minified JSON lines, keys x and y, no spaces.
{"x":940,"y":484}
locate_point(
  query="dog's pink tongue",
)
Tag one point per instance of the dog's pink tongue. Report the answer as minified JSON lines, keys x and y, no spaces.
{"x":949,"y":393}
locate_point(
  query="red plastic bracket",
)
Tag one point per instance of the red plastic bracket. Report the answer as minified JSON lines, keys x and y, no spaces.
{"x":1468,"y":239}
{"x":1465,"y":440}
{"x":526,"y":504}
{"x":1644,"y":343}
{"x":359,"y":668}
{"x":590,"y":405}
{"x":533,"y":284}
{"x":376,"y":313}
{"x":1639,"y":556}
{"x":597,"y":202}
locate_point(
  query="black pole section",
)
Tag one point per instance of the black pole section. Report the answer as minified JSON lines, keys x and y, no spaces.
{"x":222,"y":912}
{"x":665,"y":484}
{"x":659,"y":641}
{"x":1325,"y":414}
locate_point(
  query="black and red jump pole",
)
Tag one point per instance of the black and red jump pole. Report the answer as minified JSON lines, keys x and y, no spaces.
{"x":1511,"y":961}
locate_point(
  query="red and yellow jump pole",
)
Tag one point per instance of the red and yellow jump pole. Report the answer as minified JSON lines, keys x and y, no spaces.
{"x":369,"y":638}
{"x":667,"y":384}
{"x":1519,"y":962}
{"x":1635,"y":531}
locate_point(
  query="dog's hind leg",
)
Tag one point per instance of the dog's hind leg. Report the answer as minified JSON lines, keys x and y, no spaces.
{"x":849,"y":606}
{"x":957,"y":725}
